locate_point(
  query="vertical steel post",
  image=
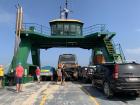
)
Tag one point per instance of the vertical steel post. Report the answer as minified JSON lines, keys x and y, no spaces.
{"x":35,"y":56}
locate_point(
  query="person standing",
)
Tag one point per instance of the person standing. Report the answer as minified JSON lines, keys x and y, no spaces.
{"x":19,"y":75}
{"x":59,"y":74}
{"x":52,"y":70}
{"x":64,"y":75}
{"x":1,"y":75}
{"x":38,"y":74}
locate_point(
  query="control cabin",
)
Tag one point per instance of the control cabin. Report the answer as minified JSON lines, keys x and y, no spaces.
{"x":66,"y":27}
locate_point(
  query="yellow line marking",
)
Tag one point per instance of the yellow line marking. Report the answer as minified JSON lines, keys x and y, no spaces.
{"x":47,"y":93}
{"x":92,"y":98}
{"x":44,"y":98}
{"x":31,"y":99}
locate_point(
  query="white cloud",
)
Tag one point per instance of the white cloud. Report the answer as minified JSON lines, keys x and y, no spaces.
{"x":6,"y":17}
{"x":133,"y":51}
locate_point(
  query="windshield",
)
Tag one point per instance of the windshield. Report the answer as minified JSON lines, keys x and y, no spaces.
{"x":46,"y":67}
{"x":67,"y":58}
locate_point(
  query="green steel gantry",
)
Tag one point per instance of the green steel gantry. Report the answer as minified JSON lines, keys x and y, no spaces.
{"x":64,"y":33}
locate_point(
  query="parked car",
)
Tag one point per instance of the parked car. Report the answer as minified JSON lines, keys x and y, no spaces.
{"x":47,"y":72}
{"x":81,"y":72}
{"x":113,"y":78}
{"x":89,"y":74}
{"x":86,"y":73}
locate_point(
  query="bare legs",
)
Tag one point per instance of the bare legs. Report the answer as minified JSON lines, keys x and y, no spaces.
{"x":38,"y":78}
{"x":59,"y":79}
{"x":0,"y":83}
{"x":18,"y":87}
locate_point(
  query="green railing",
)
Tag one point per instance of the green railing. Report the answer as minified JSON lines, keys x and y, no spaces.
{"x":36,"y":28}
{"x":94,"y":28}
{"x":47,"y":31}
{"x":119,"y":50}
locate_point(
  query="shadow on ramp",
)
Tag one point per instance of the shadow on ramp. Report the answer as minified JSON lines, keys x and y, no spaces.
{"x":11,"y":89}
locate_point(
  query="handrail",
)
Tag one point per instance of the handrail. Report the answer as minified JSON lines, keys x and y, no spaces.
{"x":45,"y":30}
{"x":94,"y":28}
{"x":119,"y":50}
{"x":122,"y":53}
{"x":36,"y":28}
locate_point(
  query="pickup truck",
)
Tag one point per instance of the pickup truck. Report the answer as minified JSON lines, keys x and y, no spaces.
{"x":113,"y":78}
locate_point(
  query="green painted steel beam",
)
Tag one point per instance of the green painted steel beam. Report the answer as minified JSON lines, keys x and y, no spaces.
{"x":87,"y":42}
{"x":21,"y":55}
{"x":23,"y":52}
{"x":35,"y":56}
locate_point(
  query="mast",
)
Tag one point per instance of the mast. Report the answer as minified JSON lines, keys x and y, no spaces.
{"x":65,"y":12}
{"x":66,"y":4}
{"x":19,"y":22}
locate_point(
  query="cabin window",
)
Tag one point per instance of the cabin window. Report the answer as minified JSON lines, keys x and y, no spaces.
{"x":72,"y":29}
{"x":78,"y":30}
{"x":54,"y":29}
{"x":66,"y":29}
{"x":60,"y":29}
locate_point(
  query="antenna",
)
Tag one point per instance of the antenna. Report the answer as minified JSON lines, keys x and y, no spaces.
{"x":60,"y":12}
{"x":65,"y":12}
{"x":66,"y":4}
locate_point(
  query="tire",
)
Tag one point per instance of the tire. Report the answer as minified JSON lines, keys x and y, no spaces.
{"x":93,"y":83}
{"x":83,"y":80}
{"x":136,"y":93}
{"x":107,"y":90}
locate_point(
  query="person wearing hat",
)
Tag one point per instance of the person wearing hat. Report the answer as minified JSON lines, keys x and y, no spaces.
{"x":19,"y":75}
{"x":1,"y":75}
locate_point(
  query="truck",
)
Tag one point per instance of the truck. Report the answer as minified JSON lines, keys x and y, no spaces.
{"x":70,"y":64}
{"x":115,"y":77}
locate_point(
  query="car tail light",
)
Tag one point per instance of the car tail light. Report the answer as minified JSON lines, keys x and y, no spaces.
{"x":116,"y":70}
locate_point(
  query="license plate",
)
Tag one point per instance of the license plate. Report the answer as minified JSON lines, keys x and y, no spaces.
{"x":133,"y":79}
{"x":45,"y":74}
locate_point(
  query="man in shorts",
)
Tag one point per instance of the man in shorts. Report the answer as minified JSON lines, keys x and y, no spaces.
{"x":1,"y":75}
{"x":19,"y":75}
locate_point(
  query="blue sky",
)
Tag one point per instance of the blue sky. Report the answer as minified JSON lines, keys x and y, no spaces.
{"x":120,"y":16}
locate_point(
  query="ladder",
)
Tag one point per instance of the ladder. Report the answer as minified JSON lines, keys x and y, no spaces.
{"x":117,"y":57}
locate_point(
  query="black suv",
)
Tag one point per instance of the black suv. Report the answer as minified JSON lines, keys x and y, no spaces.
{"x":114,"y":78}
